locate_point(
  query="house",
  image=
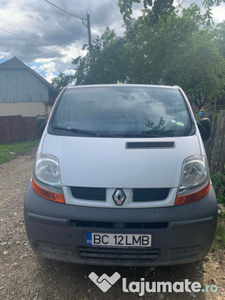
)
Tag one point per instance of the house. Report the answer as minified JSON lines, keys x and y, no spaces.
{"x":23,"y":91}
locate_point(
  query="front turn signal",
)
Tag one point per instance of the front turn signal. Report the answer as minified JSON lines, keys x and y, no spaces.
{"x":187,"y":199}
{"x":47,"y":194}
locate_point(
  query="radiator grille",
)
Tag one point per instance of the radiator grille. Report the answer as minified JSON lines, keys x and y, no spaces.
{"x":89,"y":193}
{"x":118,"y":254}
{"x":133,"y":225}
{"x":145,"y":195}
{"x":139,"y":195}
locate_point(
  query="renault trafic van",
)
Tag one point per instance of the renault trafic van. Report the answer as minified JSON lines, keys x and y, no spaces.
{"x":121,"y":178}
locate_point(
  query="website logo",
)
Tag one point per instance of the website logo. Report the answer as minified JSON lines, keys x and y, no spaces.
{"x":141,"y":287}
{"x":104,"y":282}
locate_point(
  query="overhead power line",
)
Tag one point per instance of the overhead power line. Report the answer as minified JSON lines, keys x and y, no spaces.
{"x":43,"y":54}
{"x":65,"y":11}
{"x":96,"y":30}
{"x":18,"y":35}
{"x":83,"y":19}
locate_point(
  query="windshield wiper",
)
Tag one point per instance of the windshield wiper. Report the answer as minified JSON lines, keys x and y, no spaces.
{"x":86,"y":132}
{"x":158,"y":134}
{"x":102,"y":134}
{"x":77,"y":131}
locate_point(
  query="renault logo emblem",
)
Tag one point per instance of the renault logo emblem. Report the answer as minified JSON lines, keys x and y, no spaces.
{"x":119,"y":197}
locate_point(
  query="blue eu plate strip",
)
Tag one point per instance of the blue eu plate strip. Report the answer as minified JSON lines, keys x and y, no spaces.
{"x":89,"y":238}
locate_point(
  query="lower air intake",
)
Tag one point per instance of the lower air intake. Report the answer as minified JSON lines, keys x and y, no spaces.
{"x":118,"y":254}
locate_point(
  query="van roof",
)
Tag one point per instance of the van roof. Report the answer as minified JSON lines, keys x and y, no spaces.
{"x":124,"y":85}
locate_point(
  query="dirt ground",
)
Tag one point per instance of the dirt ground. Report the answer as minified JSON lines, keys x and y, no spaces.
{"x":25,"y":276}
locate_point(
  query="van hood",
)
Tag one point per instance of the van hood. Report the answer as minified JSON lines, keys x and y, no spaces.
{"x":106,"y":162}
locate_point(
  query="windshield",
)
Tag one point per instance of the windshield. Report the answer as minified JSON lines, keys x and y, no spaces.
{"x":121,"y":111}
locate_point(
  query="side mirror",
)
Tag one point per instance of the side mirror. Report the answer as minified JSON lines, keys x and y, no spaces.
{"x":204,"y":127}
{"x":40,"y":126}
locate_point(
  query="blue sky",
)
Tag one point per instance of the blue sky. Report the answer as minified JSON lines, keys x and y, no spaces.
{"x":47,"y":39}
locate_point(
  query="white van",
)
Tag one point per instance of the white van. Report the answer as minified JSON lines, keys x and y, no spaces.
{"x":121,"y":178}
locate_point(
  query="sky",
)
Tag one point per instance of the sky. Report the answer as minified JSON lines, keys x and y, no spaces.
{"x":47,"y":39}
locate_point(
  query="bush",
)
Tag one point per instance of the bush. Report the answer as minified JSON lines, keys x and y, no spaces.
{"x":218,"y":181}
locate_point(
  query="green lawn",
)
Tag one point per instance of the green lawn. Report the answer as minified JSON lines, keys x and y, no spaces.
{"x":219,"y":241}
{"x":10,"y":151}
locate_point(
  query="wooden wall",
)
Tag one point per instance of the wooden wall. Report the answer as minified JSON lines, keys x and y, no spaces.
{"x":21,"y":86}
{"x":17,"y":129}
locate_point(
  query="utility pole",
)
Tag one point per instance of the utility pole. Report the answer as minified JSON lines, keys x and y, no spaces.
{"x":88,"y":21}
{"x":89,"y":31}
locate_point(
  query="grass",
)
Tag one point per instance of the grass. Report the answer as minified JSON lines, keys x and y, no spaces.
{"x":10,"y":151}
{"x":218,"y":181}
{"x":219,"y":241}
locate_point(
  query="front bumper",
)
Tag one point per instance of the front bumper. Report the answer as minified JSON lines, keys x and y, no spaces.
{"x":180,"y":234}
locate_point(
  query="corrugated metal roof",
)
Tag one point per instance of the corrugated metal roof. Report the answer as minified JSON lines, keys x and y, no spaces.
{"x":15,"y":64}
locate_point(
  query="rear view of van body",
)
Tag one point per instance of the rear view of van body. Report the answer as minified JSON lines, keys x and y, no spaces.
{"x":121,"y":178}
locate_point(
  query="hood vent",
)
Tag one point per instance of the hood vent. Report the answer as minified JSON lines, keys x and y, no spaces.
{"x":146,"y":145}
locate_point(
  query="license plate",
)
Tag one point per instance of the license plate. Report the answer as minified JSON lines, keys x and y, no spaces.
{"x":119,"y":240}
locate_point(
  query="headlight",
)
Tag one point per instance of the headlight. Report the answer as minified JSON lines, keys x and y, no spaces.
{"x":194,"y":174}
{"x":46,"y":177}
{"x":194,"y":180}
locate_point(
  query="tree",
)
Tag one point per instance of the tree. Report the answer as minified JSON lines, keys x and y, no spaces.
{"x":161,"y":7}
{"x":210,"y":3}
{"x":220,"y":37}
{"x":62,"y":80}
{"x":182,"y":49}
{"x":104,"y":63}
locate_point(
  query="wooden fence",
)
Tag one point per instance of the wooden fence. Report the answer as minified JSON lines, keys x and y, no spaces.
{"x":215,"y":146}
{"x":17,"y":129}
